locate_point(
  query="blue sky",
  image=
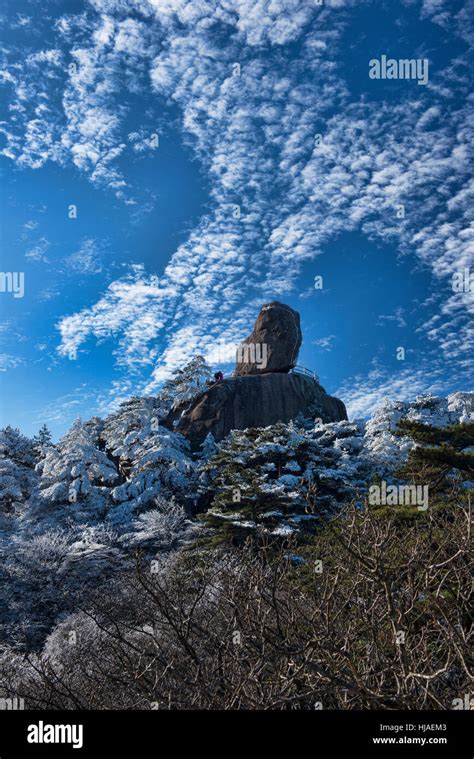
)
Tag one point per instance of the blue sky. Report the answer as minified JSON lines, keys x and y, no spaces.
{"x":184,"y":132}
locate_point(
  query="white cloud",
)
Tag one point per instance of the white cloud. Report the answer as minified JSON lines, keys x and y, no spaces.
{"x":65,"y":407}
{"x":87,"y":259}
{"x":8,"y":362}
{"x":132,"y":306}
{"x":396,"y":317}
{"x":362,"y":395}
{"x":373,"y":158}
{"x":254,"y":135}
{"x":325,"y":343}
{"x":38,"y":251}
{"x":30,"y":225}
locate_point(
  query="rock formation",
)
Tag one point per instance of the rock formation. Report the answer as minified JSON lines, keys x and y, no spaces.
{"x":273,"y":344}
{"x":261,"y":392}
{"x":255,"y":401}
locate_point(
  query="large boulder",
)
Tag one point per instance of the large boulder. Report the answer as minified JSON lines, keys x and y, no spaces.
{"x":273,"y":344}
{"x":254,"y":401}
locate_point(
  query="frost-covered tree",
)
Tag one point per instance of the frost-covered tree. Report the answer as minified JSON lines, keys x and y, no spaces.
{"x":17,"y":475}
{"x":186,"y":384}
{"x":387,"y":449}
{"x":46,"y":571}
{"x":130,"y":425}
{"x":441,"y":458}
{"x":42,"y":440}
{"x":138,"y":418}
{"x":150,"y":460}
{"x":10,"y":485}
{"x":77,"y":474}
{"x":160,"y":464}
{"x":209,"y":447}
{"x":161,"y":526}
{"x":31,"y":584}
{"x":283,"y":477}
{"x":95,"y":427}
{"x":17,"y":447}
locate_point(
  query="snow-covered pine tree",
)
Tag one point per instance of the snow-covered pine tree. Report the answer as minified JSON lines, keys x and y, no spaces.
{"x":255,"y":479}
{"x":42,"y":440}
{"x":209,"y":447}
{"x":186,"y":384}
{"x":10,"y":490}
{"x":388,"y":450}
{"x":138,"y":417}
{"x":123,"y":430}
{"x":95,"y":427}
{"x":76,"y":474}
{"x":442,"y":458}
{"x":283,"y":477}
{"x":17,"y":474}
{"x":16,"y":446}
{"x":160,"y":465}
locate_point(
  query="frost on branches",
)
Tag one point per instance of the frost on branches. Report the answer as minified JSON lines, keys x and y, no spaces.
{"x":76,"y":475}
{"x":386,"y":449}
{"x":185,"y":384}
{"x":283,"y":478}
{"x":71,"y":512}
{"x":158,"y":464}
{"x":17,"y":475}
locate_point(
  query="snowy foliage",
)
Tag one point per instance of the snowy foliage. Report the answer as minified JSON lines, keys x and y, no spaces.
{"x":130,"y":425}
{"x":42,"y":441}
{"x":158,"y":463}
{"x":77,"y":473}
{"x":299,"y":472}
{"x":284,"y":476}
{"x":17,"y":475}
{"x":387,"y":451}
{"x":160,"y":525}
{"x":71,"y":512}
{"x":209,"y":447}
{"x":186,"y":384}
{"x":17,"y":447}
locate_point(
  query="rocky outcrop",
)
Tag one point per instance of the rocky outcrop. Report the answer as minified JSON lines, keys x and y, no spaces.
{"x":273,"y":344}
{"x":254,"y":401}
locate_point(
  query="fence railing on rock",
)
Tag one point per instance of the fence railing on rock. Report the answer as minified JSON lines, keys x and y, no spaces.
{"x":295,"y":370}
{"x":298,"y":369}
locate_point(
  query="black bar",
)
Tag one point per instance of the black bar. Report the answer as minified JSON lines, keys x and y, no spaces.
{"x":318,"y":734}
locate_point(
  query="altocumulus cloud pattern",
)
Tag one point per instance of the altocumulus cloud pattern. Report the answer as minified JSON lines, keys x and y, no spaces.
{"x":171,"y":165}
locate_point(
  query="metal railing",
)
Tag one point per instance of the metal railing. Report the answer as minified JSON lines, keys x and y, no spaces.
{"x":298,"y":369}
